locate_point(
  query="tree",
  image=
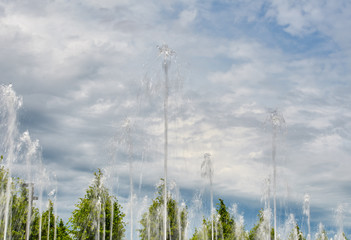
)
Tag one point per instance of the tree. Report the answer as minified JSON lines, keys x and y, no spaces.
{"x":224,"y":226}
{"x":261,"y":229}
{"x":226,"y":223}
{"x":152,"y":220}
{"x":48,"y":225}
{"x":62,"y":231}
{"x":94,"y":212}
{"x":17,"y":214}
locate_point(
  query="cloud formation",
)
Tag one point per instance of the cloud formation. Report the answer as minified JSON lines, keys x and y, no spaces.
{"x":81,"y":68}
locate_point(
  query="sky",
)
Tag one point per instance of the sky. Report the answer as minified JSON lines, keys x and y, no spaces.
{"x":86,"y":68}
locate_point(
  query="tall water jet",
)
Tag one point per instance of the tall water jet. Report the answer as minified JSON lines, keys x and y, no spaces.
{"x":51,"y":202}
{"x":207,"y":172}
{"x":321,"y":234}
{"x":306,"y":211}
{"x":128,"y":141}
{"x":267,"y":212}
{"x":31,"y":148}
{"x":239,"y":223}
{"x":9,"y":104}
{"x":278,"y":124}
{"x":339,"y":217}
{"x":43,"y":179}
{"x":167,"y":54}
{"x":124,"y":140}
{"x":111,"y":217}
{"x":290,"y":230}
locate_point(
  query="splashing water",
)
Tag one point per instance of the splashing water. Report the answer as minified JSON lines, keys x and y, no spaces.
{"x":32,"y":148}
{"x":207,"y":172}
{"x":167,"y":54}
{"x":321,"y":235}
{"x":339,"y":217}
{"x":239,"y":223}
{"x":265,"y":226}
{"x":9,"y":104}
{"x":278,"y":124}
{"x":306,"y":211}
{"x":51,"y":197}
{"x":127,"y":128}
{"x":290,"y":228}
{"x":267,"y":212}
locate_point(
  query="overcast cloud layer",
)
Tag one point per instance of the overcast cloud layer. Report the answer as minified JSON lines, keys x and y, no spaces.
{"x":83,"y":67}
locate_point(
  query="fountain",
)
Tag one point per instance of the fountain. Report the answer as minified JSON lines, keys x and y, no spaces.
{"x":21,"y":154}
{"x":207,"y":172}
{"x":126,"y":138}
{"x":239,"y":223}
{"x":9,"y":104}
{"x":267,"y":212}
{"x":52,"y":199}
{"x":167,"y":54}
{"x":278,"y":124}
{"x":31,"y":151}
{"x":339,"y":220}
{"x":306,"y":211}
{"x":321,"y":234}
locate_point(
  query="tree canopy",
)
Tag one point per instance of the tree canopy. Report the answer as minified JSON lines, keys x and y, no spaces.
{"x":97,"y":213}
{"x":224,"y":225}
{"x":152,"y":220}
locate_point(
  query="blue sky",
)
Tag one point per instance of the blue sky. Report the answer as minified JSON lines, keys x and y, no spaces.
{"x":82,"y":67}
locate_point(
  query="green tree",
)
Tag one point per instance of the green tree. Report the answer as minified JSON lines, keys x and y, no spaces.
{"x":94,"y":212}
{"x":19,"y":212}
{"x":18,"y":205}
{"x":62,"y":231}
{"x":48,"y":229}
{"x":226,"y":223}
{"x":224,"y":226}
{"x":152,"y":220}
{"x":19,"y":209}
{"x":261,"y":228}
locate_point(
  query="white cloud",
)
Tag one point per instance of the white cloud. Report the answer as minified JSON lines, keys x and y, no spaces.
{"x":305,"y":17}
{"x":186,"y":17}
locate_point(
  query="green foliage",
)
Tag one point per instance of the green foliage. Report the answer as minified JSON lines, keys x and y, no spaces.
{"x":226,"y":223}
{"x":48,"y":220}
{"x":18,"y":205}
{"x":98,"y":212}
{"x":94,"y":212}
{"x":62,"y":231}
{"x":152,"y":220}
{"x":261,"y":229}
{"x":19,"y":212}
{"x":224,"y":226}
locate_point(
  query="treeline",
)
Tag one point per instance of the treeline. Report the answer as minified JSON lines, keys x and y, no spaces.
{"x":98,"y":215}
